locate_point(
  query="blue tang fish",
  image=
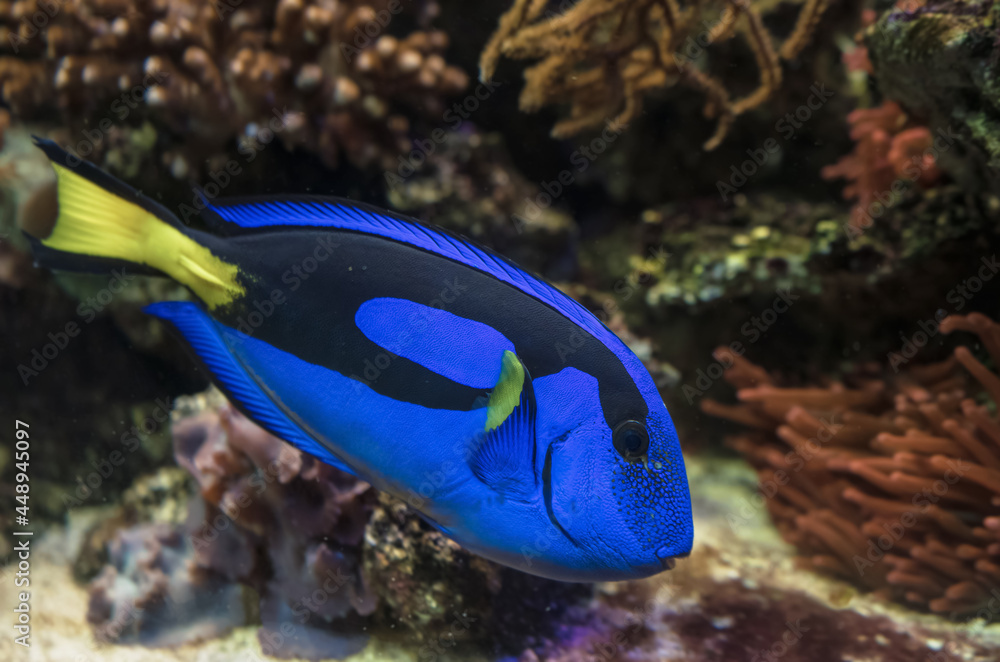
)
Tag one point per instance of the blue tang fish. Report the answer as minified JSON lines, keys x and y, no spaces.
{"x":502,"y":410}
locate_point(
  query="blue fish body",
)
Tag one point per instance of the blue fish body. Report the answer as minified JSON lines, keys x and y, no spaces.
{"x":496,"y":406}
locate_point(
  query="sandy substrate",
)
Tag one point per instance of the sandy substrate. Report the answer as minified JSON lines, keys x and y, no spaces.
{"x":61,"y":634}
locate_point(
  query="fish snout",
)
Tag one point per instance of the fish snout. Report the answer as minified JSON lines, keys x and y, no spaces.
{"x":667,"y":559}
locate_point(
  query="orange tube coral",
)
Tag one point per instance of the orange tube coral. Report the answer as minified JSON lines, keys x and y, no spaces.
{"x":896,"y":489}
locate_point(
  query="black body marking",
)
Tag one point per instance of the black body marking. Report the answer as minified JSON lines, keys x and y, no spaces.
{"x":316,"y":320}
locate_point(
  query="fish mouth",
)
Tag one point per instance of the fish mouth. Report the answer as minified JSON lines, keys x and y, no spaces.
{"x":667,"y":560}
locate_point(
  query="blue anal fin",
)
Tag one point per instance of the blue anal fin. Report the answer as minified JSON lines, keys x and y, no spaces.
{"x":434,"y":524}
{"x":204,"y":336}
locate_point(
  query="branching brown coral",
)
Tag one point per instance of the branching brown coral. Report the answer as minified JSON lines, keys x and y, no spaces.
{"x":603,"y":56}
{"x":323,"y":74}
{"x":893,"y":484}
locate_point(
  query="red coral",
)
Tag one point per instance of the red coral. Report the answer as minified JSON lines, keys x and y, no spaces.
{"x":891,"y":484}
{"x":887,"y":156}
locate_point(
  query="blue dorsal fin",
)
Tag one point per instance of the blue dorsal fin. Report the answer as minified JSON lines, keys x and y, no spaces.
{"x":257,"y":213}
{"x":204,"y":337}
{"x":209,"y":215}
{"x":504,"y":459}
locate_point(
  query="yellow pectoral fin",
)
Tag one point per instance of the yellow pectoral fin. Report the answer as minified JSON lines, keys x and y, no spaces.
{"x":504,"y":459}
{"x":507,"y":393}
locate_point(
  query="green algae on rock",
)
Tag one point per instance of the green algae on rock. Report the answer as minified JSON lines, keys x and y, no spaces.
{"x":940,"y":62}
{"x":691,"y":255}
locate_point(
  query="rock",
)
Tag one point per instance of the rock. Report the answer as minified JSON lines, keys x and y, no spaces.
{"x":940,"y":61}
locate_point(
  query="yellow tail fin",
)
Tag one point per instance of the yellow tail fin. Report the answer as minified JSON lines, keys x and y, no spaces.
{"x":102,"y":219}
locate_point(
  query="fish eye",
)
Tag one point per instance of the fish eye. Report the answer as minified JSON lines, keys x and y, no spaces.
{"x":631,"y":440}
